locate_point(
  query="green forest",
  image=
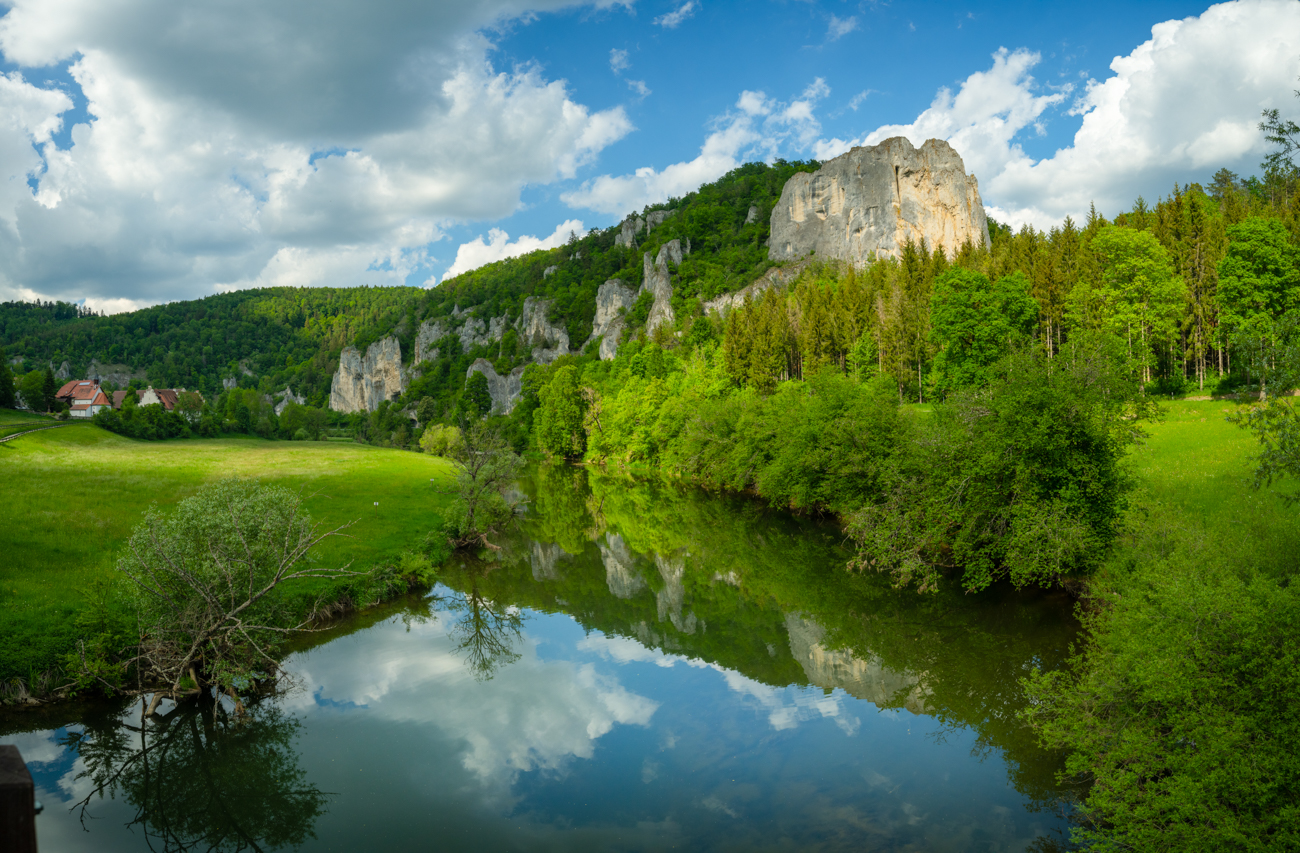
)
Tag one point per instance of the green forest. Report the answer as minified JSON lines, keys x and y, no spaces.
{"x":969,"y":419}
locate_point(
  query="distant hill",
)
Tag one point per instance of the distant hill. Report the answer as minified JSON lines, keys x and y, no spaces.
{"x":273,"y":337}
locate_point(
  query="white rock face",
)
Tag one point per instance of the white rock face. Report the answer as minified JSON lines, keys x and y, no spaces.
{"x":230,"y":383}
{"x":285,"y":398}
{"x":546,"y":273}
{"x":545,"y":558}
{"x":874,"y":199}
{"x":776,"y":277}
{"x":752,"y":215}
{"x":546,"y":341}
{"x":634,"y":225}
{"x":64,"y":371}
{"x":119,"y":374}
{"x":504,"y":390}
{"x":613,"y":300}
{"x":658,"y":281}
{"x":361,"y":384}
{"x":429,"y":333}
{"x":865,"y":679}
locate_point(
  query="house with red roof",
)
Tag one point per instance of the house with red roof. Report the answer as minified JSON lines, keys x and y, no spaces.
{"x":84,"y":398}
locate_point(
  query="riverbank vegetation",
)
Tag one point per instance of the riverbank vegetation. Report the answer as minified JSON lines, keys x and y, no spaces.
{"x":73,"y":495}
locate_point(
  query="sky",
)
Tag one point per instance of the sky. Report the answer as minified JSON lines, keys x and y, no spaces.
{"x":153,"y":151}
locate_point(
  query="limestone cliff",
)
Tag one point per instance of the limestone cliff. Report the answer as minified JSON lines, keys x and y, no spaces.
{"x":285,"y":397}
{"x":658,"y":282}
{"x":775,"y":277}
{"x":361,"y":384}
{"x":874,"y":199}
{"x":613,"y":300}
{"x":546,"y":341}
{"x":866,"y":679}
{"x":429,"y":333}
{"x":504,"y":390}
{"x":634,"y":225}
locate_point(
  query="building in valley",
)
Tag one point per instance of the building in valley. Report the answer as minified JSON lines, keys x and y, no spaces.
{"x":84,"y":398}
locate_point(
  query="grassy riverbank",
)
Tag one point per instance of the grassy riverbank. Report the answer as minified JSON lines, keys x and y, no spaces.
{"x":73,"y":495}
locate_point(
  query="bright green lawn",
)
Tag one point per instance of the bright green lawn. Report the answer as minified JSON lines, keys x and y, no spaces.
{"x":1197,"y":469}
{"x":70,"y":497}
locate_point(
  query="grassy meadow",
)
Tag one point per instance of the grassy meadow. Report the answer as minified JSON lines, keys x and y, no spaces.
{"x":71,"y":497}
{"x":1196,"y":472}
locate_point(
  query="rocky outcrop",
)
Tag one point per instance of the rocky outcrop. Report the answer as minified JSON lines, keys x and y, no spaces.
{"x":64,"y":370}
{"x":361,"y":384}
{"x":504,"y":390}
{"x":613,"y":300}
{"x":429,"y":333}
{"x":119,"y":374}
{"x":546,"y":273}
{"x":873,"y":200}
{"x":547,"y":342}
{"x":658,"y":282}
{"x":752,"y":215}
{"x":285,"y":397}
{"x":776,"y":277}
{"x":621,"y":575}
{"x":866,"y":679}
{"x":634,"y":225}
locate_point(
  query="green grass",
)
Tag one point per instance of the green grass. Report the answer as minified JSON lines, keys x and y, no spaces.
{"x":1196,"y":470}
{"x":72,"y":496}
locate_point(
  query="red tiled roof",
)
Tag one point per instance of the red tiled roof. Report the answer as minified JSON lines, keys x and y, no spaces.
{"x":118,"y":397}
{"x":166,"y":396}
{"x":78,"y":389}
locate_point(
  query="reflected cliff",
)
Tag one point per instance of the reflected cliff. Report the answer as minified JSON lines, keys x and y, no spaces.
{"x":731,"y":583}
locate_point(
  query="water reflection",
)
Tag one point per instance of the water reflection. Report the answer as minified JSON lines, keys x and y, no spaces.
{"x":201,"y":781}
{"x":642,"y":667}
{"x":488,"y":631}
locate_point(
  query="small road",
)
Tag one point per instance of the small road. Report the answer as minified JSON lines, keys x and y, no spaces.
{"x":30,"y":431}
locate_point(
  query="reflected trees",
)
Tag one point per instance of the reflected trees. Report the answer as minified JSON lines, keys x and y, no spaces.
{"x":488,"y":631}
{"x":204,"y":782}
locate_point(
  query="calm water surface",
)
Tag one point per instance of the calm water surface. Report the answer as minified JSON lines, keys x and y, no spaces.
{"x":641,"y":668}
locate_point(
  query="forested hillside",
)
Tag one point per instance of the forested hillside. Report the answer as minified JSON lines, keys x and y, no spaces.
{"x":292,"y":336}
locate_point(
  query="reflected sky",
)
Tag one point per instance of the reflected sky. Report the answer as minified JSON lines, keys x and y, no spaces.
{"x":734,"y":690}
{"x":591,"y":742}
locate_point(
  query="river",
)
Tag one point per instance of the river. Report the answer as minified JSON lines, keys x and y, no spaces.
{"x":641,"y":667}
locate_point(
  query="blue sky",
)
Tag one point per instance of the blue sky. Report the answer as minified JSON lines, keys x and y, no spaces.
{"x":153,"y":151}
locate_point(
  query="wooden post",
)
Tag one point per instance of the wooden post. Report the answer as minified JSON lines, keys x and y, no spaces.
{"x":17,"y":803}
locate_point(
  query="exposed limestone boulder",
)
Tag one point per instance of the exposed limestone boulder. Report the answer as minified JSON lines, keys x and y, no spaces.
{"x":361,"y":384}
{"x":752,"y":215}
{"x":119,"y":374}
{"x":504,"y":390}
{"x":874,"y":199}
{"x":475,"y":333}
{"x":546,"y":273}
{"x":775,"y":277}
{"x":866,"y":679}
{"x":429,"y":333}
{"x":655,"y":218}
{"x":536,"y":333}
{"x":286,"y":397}
{"x":658,"y":281}
{"x":631,"y":226}
{"x":621,"y":575}
{"x":64,"y":371}
{"x":230,"y":383}
{"x":612,"y":301}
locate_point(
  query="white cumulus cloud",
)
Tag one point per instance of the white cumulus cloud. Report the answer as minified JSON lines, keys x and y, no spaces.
{"x":756,"y":128}
{"x":1179,"y":106}
{"x":324,"y":144}
{"x":478,"y":252}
